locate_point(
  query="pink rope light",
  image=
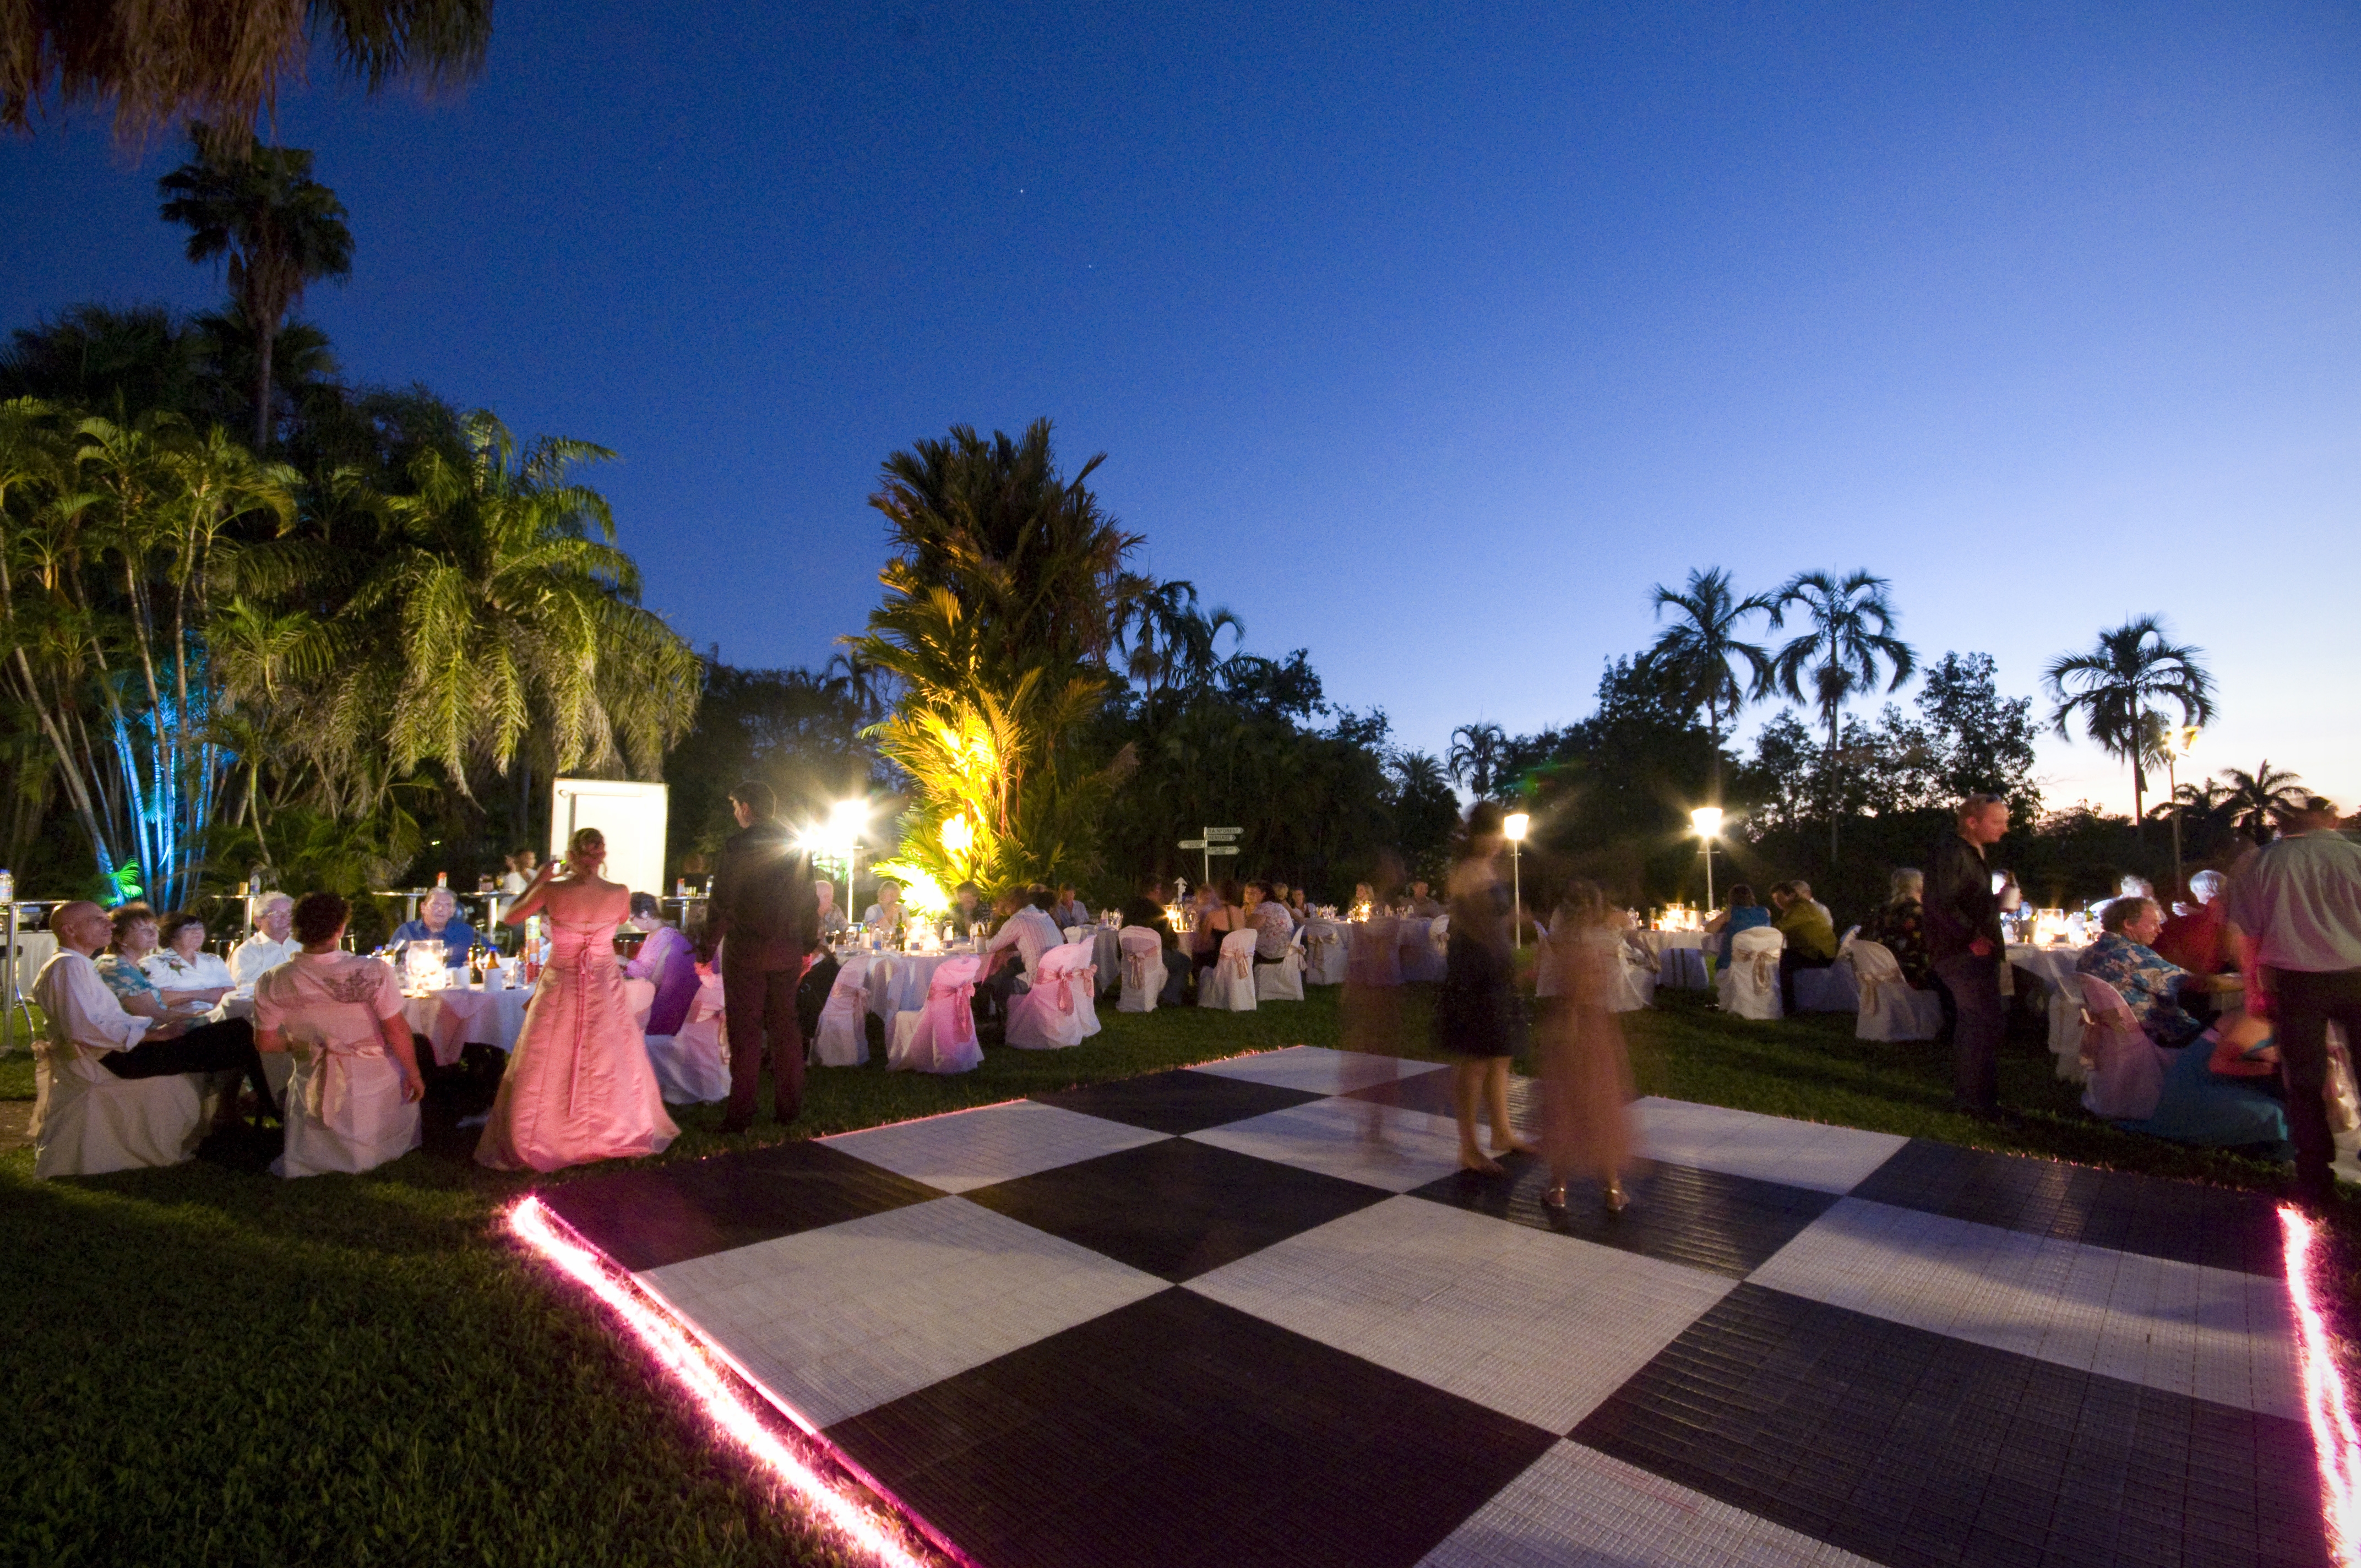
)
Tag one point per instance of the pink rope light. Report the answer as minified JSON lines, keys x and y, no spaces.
{"x":2334,"y":1437}
{"x":694,"y":1369}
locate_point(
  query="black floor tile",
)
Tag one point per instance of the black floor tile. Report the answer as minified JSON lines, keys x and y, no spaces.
{"x":1219,"y":1439}
{"x":647,"y":1218}
{"x":1731,"y":1224}
{"x":1177,"y":1208}
{"x":1427,"y":1091}
{"x":1181,"y":1100}
{"x":2184,"y":1220}
{"x":1914,"y":1450}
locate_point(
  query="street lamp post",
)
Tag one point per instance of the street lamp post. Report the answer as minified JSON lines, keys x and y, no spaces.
{"x":2178,"y":744}
{"x":1706,"y":822}
{"x":1515,"y":825}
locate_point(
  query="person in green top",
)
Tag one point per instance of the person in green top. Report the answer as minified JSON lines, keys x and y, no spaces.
{"x":1811,"y":938}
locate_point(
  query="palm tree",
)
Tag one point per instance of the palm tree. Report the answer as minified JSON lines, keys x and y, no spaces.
{"x":2119,"y":690}
{"x":2254,"y":799}
{"x":1851,"y":636}
{"x":1474,"y":756}
{"x":1168,"y":643}
{"x":514,"y":614}
{"x":1695,"y":654}
{"x":223,"y":62}
{"x":280,"y":228}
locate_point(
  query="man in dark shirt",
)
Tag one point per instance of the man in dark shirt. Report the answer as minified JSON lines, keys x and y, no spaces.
{"x":1963,"y":938}
{"x":1148,"y":909}
{"x":764,"y":904}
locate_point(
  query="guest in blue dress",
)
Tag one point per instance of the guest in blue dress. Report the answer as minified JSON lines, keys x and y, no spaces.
{"x":1743,"y":915}
{"x":439,"y":921}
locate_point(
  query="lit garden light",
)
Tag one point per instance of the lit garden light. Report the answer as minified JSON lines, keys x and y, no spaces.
{"x":1516,"y":825}
{"x":1706,"y":822}
{"x":2177,"y":743}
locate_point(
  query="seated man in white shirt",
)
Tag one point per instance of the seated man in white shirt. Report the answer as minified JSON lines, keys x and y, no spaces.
{"x":1271,"y":922}
{"x":85,"y":1015}
{"x":1027,"y":933}
{"x":272,"y":944}
{"x":1069,"y":910}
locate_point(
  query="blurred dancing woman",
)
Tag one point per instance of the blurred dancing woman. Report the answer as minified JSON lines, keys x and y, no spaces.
{"x":1477,"y":1015}
{"x":1586,"y":1072}
{"x":578,"y":1086}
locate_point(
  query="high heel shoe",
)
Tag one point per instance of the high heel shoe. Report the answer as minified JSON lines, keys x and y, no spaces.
{"x":1617,"y":1199}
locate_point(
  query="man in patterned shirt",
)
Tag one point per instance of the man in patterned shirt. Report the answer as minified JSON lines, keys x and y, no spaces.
{"x":2149,"y":983}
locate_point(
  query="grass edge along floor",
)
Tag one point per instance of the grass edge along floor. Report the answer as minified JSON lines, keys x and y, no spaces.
{"x":1082,"y":1403}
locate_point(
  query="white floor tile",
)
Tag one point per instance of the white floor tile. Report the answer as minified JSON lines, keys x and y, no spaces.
{"x":1317,"y":1069}
{"x":1379,"y":1145}
{"x":1530,"y":1323}
{"x":838,"y":1321}
{"x":2212,"y":1333}
{"x":1575,"y":1507}
{"x":1769,"y":1148}
{"x":968,"y":1149}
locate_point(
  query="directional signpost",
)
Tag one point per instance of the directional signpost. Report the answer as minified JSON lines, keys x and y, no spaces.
{"x":1216,"y":841}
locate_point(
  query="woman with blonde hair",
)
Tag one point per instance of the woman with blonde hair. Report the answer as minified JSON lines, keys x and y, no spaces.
{"x":579,"y":1086}
{"x":1586,"y":1070}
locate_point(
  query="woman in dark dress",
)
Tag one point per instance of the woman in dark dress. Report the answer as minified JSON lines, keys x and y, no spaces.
{"x":1477,"y":1015}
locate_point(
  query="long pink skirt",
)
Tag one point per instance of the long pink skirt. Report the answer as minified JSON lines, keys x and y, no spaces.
{"x":579,"y":1086}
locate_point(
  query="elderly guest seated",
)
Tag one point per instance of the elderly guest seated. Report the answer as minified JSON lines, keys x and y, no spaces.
{"x":187,"y":974}
{"x":1423,"y":905}
{"x":124,"y":967}
{"x":272,"y":944}
{"x":1743,"y":915}
{"x":666,"y":961}
{"x":439,"y":921}
{"x":1070,"y":910}
{"x":1900,"y":927}
{"x":1268,"y":919}
{"x":2192,"y":937}
{"x":1024,"y":935}
{"x":1811,"y":937}
{"x":128,"y":1034}
{"x":833,"y":922}
{"x":886,"y":912}
{"x":2149,"y":983}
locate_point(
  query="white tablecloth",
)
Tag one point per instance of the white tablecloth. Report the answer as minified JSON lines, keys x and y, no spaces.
{"x":907,"y":991}
{"x":1658,"y":942}
{"x":1681,"y":956}
{"x":459,"y":1017}
{"x":34,"y":948}
{"x":2053,"y":966}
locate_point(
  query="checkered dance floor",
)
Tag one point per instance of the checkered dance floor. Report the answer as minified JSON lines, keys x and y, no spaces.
{"x":1251,"y":1312}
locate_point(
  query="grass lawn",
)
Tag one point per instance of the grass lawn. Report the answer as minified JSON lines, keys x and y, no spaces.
{"x":208,"y":1367}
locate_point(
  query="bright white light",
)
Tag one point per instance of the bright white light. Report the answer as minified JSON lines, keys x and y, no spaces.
{"x":1514,"y":825}
{"x":1706,"y":821}
{"x":958,"y":834}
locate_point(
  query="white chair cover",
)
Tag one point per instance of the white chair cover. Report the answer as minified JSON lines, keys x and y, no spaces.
{"x":842,"y":1037}
{"x":1421,"y":958}
{"x":1637,"y":988}
{"x":2066,"y":1031}
{"x":87,"y":1122}
{"x":1835,"y":989}
{"x":1142,"y":968}
{"x":1375,"y":958}
{"x":1545,"y":966}
{"x":1890,"y":1009}
{"x":2125,"y":1068}
{"x":1229,"y":984}
{"x":1750,"y":985}
{"x":691,"y":1067}
{"x":943,"y":1040}
{"x":1058,"y":1011}
{"x":1323,"y":953}
{"x":345,"y":1111}
{"x":1077,"y":934}
{"x":1282,"y":981}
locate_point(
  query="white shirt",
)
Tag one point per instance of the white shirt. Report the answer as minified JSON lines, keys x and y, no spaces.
{"x":170,"y":971}
{"x":2299,"y":899}
{"x":80,"y":1008}
{"x":258,"y":956}
{"x":1033,"y":934}
{"x":875,"y":915}
{"x":513,"y":884}
{"x":1074,"y":913}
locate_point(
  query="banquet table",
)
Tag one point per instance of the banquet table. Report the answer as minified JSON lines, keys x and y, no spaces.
{"x":1420,"y":962}
{"x":2053,"y":966}
{"x":34,"y":948}
{"x":907,"y":991}
{"x":1680,"y":958}
{"x":466,"y":1016}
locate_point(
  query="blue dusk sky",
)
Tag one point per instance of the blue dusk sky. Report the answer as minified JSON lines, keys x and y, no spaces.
{"x":1424,"y":337}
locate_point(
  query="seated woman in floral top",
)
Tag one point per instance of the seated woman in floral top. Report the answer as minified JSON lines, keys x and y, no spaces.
{"x":2150,"y":984}
{"x":1900,"y":927}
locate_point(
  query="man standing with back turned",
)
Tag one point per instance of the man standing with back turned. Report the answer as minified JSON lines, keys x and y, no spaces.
{"x":764,"y":905}
{"x":2298,"y":902}
{"x":1963,"y":937}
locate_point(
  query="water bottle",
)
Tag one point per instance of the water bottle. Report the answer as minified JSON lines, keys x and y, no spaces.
{"x":7,"y":887}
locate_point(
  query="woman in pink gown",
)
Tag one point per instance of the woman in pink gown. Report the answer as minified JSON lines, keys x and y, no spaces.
{"x":578,"y":1086}
{"x":1585,"y":1072}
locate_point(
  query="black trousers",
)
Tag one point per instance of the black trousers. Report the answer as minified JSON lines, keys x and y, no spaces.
{"x":226,"y":1047}
{"x":759,"y":1005}
{"x":2302,"y":1003}
{"x":1974,"y":984}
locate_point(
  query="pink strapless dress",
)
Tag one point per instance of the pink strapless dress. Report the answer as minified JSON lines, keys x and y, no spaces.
{"x":579,"y":1086}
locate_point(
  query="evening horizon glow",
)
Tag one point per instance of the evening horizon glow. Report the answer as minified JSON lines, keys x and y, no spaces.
{"x":1426,"y":342}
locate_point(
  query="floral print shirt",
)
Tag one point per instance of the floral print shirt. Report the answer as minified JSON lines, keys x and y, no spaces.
{"x":123,"y":977}
{"x":1901,"y":929}
{"x":2149,"y":983}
